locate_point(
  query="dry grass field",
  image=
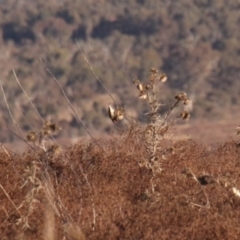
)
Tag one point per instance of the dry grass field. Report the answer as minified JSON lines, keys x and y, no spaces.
{"x":158,"y":180}
{"x":88,"y":192}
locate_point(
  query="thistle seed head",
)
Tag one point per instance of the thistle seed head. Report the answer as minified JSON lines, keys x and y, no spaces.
{"x":31,"y":136}
{"x":147,"y":87}
{"x":153,"y":71}
{"x":163,"y":77}
{"x":184,"y":115}
{"x":143,"y":95}
{"x":55,"y":149}
{"x":181,"y":97}
{"x":119,"y":114}
{"x":136,"y":81}
{"x":50,"y":127}
{"x":140,"y":87}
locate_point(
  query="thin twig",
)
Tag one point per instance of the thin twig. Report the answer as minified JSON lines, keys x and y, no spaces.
{"x":25,"y":119}
{"x":70,"y":105}
{"x":10,"y":200}
{"x":98,"y":79}
{"x":39,"y":115}
{"x":53,"y":199}
{"x":10,"y":113}
{"x":169,"y":113}
{"x":23,"y":139}
{"x":91,"y":189}
{"x":15,"y":75}
{"x":4,"y":149}
{"x":94,"y":73}
{"x":205,"y":194}
{"x":8,"y":150}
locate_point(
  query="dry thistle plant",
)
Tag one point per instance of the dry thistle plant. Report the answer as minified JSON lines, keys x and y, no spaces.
{"x":34,"y":184}
{"x":33,"y":138}
{"x":38,"y":138}
{"x":158,"y":126}
{"x":71,"y":106}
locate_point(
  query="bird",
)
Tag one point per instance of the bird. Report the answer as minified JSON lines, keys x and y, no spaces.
{"x":111,"y":112}
{"x":115,"y":114}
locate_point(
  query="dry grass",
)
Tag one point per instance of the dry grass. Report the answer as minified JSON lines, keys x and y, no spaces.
{"x":139,"y":184}
{"x":90,"y":195}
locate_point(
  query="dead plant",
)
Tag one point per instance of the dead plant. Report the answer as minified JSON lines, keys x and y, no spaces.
{"x":158,"y":126}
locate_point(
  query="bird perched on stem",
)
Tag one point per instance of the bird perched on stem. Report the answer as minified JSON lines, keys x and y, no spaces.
{"x":115,"y":114}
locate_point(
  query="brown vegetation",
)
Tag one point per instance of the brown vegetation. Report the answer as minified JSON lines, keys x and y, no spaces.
{"x":87,"y":193}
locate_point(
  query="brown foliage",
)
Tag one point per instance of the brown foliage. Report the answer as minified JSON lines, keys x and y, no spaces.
{"x":110,"y":196}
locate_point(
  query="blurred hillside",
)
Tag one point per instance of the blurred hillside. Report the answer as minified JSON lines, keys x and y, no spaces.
{"x":195,"y":42}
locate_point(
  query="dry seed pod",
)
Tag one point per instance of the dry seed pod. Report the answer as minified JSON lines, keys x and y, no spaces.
{"x":184,"y":115}
{"x":51,"y":127}
{"x":143,"y":95}
{"x":55,"y":149}
{"x":147,"y":87}
{"x":140,"y":86}
{"x":181,"y":96}
{"x":45,"y":131}
{"x":119,"y":113}
{"x":136,"y":81}
{"x":153,"y":71}
{"x":163,"y":77}
{"x":31,"y":136}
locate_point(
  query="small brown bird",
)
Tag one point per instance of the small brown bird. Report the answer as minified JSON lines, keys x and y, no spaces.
{"x":111,"y":112}
{"x":115,"y":114}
